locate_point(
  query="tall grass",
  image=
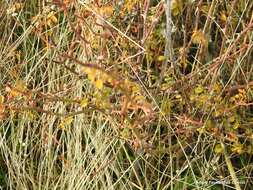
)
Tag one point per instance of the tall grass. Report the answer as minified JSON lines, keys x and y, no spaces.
{"x":87,"y":102}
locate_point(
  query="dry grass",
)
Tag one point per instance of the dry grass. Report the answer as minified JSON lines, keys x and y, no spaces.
{"x":90,"y":98}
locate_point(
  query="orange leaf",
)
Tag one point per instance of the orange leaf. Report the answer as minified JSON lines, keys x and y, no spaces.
{"x":198,"y":37}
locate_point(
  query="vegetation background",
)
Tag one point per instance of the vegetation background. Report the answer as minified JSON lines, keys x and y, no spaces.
{"x":126,"y":94}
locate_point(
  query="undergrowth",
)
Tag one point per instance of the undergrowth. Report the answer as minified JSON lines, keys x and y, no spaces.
{"x":113,"y":95}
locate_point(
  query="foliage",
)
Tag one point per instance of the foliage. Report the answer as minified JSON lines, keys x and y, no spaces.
{"x":90,"y":100}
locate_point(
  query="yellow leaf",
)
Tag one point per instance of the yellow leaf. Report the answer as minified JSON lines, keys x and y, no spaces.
{"x":177,"y":7}
{"x":106,"y":10}
{"x":217,"y":87}
{"x":2,"y":110}
{"x":236,"y":125}
{"x":231,"y":119}
{"x":16,"y":91}
{"x":54,"y":19}
{"x":91,"y":77}
{"x":218,"y":148}
{"x":237,"y":148}
{"x":84,"y":102}
{"x":14,"y":8}
{"x":160,"y":58}
{"x":198,"y":37}
{"x":203,"y":98}
{"x":1,"y":99}
{"x":51,"y":19}
{"x":129,"y":5}
{"x":242,"y":92}
{"x":105,"y":77}
{"x":199,"y":90}
{"x":135,"y":88}
{"x":49,"y":23}
{"x":99,"y":84}
{"x":65,"y":121}
{"x":30,"y":115}
{"x":18,"y":6}
{"x":61,"y":126}
{"x":178,"y":96}
{"x":201,"y":130}
{"x":218,"y":112}
{"x":20,"y":86}
{"x":205,"y":8}
{"x":139,"y":98}
{"x":86,"y":70}
{"x":223,"y":17}
{"x":18,"y":55}
{"x":91,"y":72}
{"x":68,"y":120}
